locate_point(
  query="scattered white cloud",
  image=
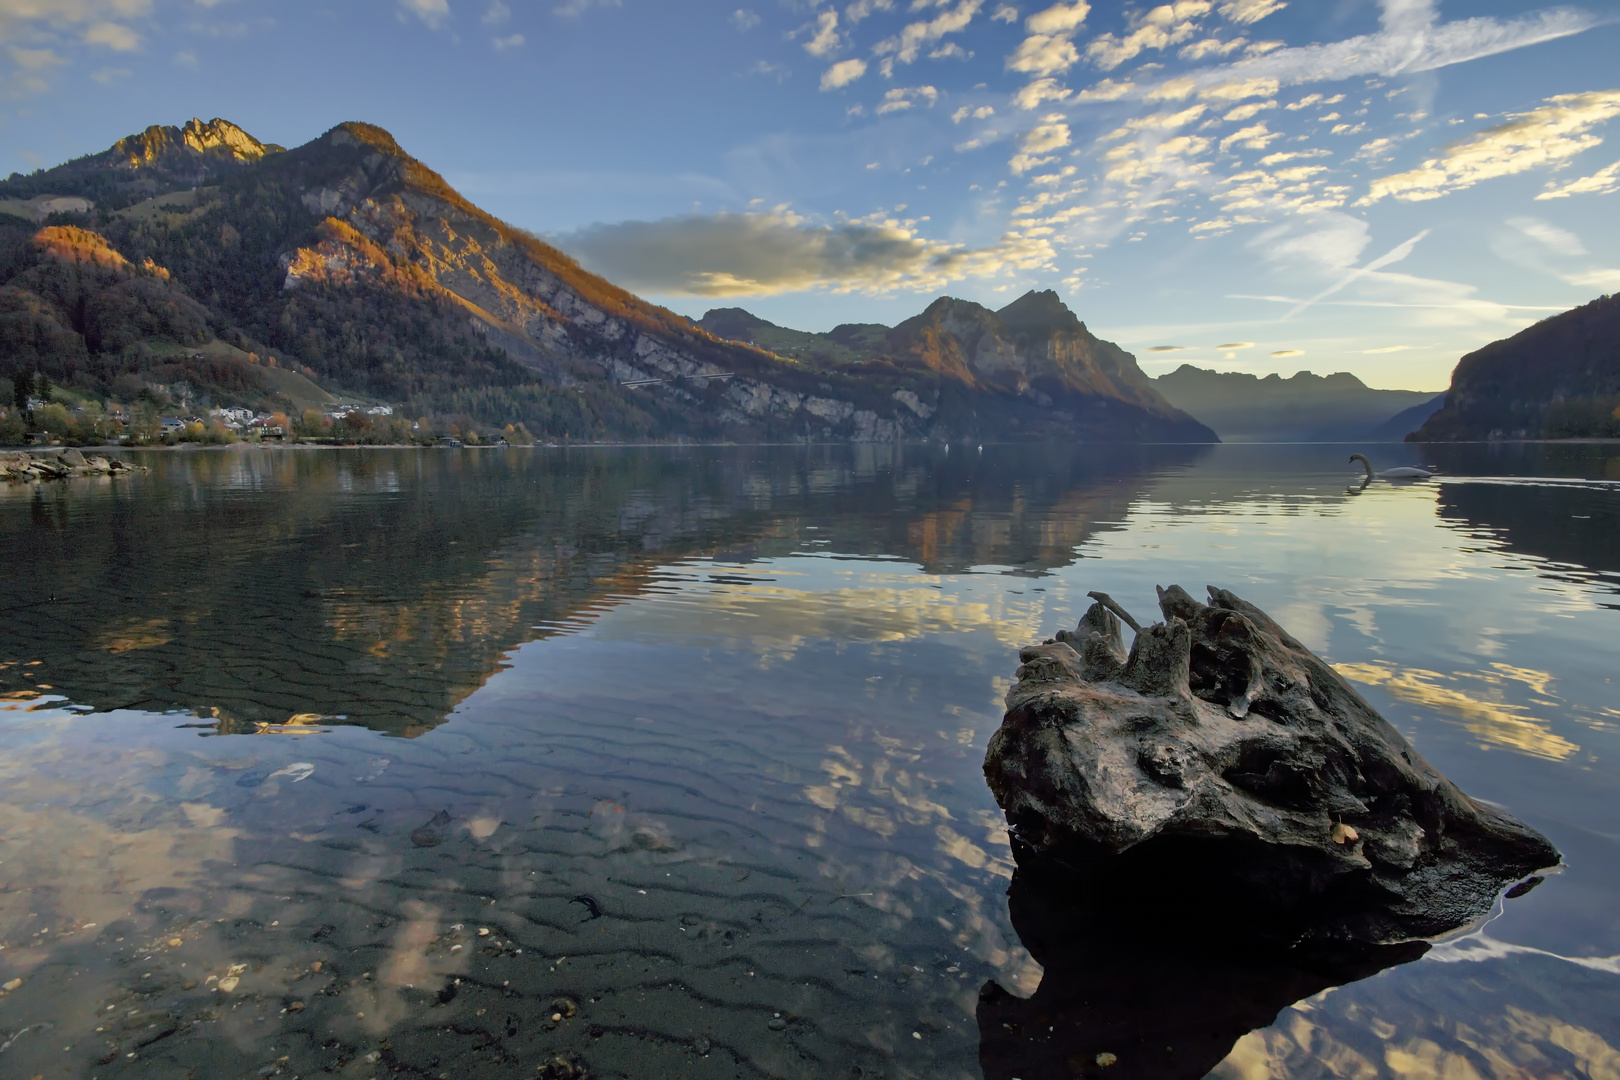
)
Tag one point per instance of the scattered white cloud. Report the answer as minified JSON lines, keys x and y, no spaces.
{"x":187,"y":59}
{"x":1254,"y":137}
{"x":1549,"y":135}
{"x":1559,"y":241}
{"x":115,"y":36}
{"x":1038,"y":141}
{"x":1157,"y":28}
{"x":1248,"y":112}
{"x":860,"y":9}
{"x":1280,"y":353}
{"x":1005,"y":13}
{"x":1106,"y":90}
{"x":843,"y":73}
{"x":497,"y":14}
{"x":108,"y":75}
{"x":762,"y":254}
{"x":510,"y":41}
{"x":572,"y":9}
{"x":908,"y":44}
{"x":902,"y":98}
{"x":744,"y":19}
{"x":1250,"y":11}
{"x":1041,"y":55}
{"x":1059,"y":18}
{"x":1238,"y":89}
{"x":432,"y":12}
{"x":1036,"y":93}
{"x":826,"y":41}
{"x":1603,"y":182}
{"x":983,"y":112}
{"x":1208,"y":47}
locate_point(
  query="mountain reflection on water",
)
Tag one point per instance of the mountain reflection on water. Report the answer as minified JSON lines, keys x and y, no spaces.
{"x":381,"y":588}
{"x":697,"y":739}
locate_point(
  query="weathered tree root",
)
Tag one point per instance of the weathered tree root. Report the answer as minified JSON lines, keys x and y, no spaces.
{"x":1220,"y":762}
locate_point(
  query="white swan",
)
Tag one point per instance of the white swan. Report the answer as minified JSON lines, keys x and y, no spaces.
{"x":1404,"y":472}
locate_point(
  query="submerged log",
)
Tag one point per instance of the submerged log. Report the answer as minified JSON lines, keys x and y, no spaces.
{"x":1221,"y":764}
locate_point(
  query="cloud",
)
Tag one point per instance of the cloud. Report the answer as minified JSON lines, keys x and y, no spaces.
{"x":744,"y":20}
{"x":1603,"y":182}
{"x":1041,"y":54}
{"x":1231,"y":345}
{"x":115,"y":36}
{"x":1247,"y":112}
{"x":1559,"y":241}
{"x":1047,"y":50}
{"x":1280,"y":353}
{"x":901,"y":98}
{"x":826,"y":41}
{"x":510,"y":41}
{"x":1040,"y":91}
{"x":909,"y":42}
{"x":860,"y":9}
{"x":842,"y":74}
{"x":1059,"y":18}
{"x":770,"y":253}
{"x":1250,"y":11}
{"x":432,"y":12}
{"x":1157,"y":28}
{"x":1238,"y":89}
{"x":573,"y":9}
{"x":1169,"y":348}
{"x":983,"y":112}
{"x":1107,"y":90}
{"x":187,"y":59}
{"x":1038,"y":141}
{"x":498,"y":13}
{"x":1005,"y":13}
{"x":1551,"y":134}
{"x":1412,"y":39}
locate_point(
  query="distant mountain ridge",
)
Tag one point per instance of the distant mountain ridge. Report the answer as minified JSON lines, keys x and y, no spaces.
{"x":351,"y":261}
{"x":1304,"y":407}
{"x":1558,"y":379}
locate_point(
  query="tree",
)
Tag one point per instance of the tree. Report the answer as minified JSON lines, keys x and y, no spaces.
{"x":22,"y":385}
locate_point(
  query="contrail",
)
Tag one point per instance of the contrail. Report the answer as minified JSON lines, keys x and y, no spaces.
{"x":1393,"y":255}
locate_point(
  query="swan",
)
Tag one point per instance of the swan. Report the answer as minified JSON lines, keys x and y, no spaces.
{"x":1403,"y":472}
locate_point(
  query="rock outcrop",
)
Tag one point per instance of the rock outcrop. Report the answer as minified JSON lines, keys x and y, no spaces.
{"x":1222,"y":764}
{"x":20,"y":465}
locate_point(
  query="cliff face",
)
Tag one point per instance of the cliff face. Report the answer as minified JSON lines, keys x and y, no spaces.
{"x":1557,"y":379}
{"x":1302,"y":408}
{"x":364,"y":267}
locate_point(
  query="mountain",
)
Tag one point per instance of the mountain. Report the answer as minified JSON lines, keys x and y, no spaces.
{"x":1555,"y":380}
{"x":219,"y":260}
{"x":1030,"y":368}
{"x":1303,"y":408}
{"x":1405,"y":422}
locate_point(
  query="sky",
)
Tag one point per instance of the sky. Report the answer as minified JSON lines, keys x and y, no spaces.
{"x":1373,"y":186}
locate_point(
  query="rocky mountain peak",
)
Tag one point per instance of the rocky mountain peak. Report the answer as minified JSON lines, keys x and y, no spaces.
{"x":158,"y":144}
{"x":1040,"y":312}
{"x":223,"y":135}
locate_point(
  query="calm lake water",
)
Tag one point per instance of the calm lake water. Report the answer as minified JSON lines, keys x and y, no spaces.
{"x":666,"y":763}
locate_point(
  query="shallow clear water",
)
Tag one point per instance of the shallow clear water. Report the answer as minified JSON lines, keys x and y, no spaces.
{"x":696,"y":736}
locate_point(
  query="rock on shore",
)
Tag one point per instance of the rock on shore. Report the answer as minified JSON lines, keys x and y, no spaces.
{"x":21,"y":465}
{"x":1221,"y":764}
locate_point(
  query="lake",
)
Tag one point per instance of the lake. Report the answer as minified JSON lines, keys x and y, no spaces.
{"x":621,"y":762}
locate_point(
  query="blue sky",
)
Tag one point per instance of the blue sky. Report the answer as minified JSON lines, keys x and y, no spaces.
{"x":1375,"y":186}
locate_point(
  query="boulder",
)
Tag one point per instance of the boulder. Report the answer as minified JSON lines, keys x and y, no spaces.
{"x":73,"y":458}
{"x":1221,"y":759}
